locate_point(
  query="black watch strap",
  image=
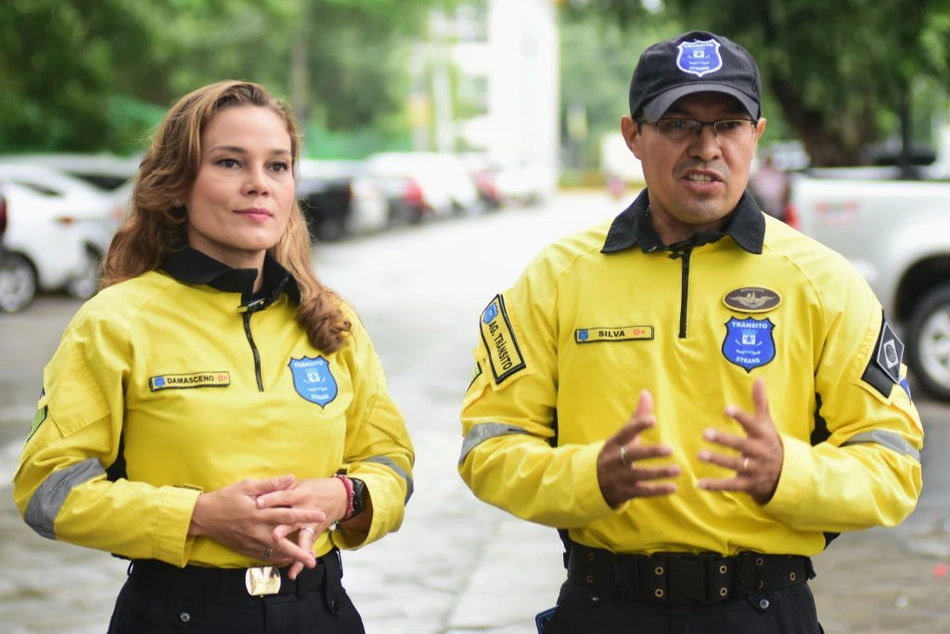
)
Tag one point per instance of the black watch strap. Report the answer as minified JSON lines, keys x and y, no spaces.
{"x":360,"y":496}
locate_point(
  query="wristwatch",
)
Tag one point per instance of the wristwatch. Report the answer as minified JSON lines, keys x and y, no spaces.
{"x":360,"y":497}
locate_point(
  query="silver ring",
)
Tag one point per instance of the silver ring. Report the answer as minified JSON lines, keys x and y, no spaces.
{"x":309,"y":530}
{"x":623,"y":454}
{"x":268,"y":553}
{"x":745,"y":464}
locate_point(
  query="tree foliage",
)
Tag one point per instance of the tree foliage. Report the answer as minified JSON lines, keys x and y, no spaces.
{"x":843,"y":74}
{"x":73,"y":71}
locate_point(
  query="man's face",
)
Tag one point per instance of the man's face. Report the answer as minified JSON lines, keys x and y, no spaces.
{"x":696,"y":181}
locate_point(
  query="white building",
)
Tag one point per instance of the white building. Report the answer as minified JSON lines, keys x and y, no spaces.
{"x":494,"y":88}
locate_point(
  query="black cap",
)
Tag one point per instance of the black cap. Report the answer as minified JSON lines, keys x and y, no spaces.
{"x":698,"y":61}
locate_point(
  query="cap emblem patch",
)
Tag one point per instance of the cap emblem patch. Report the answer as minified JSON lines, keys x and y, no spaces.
{"x":699,"y":58}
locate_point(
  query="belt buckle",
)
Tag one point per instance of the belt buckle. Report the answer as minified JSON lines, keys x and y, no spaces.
{"x":262,"y":581}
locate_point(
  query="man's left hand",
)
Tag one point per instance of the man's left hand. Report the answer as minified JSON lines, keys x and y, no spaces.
{"x":759,"y":463}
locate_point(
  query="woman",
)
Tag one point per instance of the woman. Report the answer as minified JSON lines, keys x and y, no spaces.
{"x":215,"y":414}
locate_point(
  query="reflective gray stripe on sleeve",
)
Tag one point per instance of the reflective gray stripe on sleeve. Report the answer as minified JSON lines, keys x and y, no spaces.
{"x":48,"y":499}
{"x":485,"y":431}
{"x":383,"y":460}
{"x":886,"y":439}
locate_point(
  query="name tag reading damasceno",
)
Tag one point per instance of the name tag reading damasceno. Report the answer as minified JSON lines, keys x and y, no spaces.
{"x":195,"y":379}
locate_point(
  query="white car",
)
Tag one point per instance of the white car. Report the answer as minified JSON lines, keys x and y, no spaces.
{"x":17,"y":286}
{"x":60,"y":225}
{"x":443,"y":181}
{"x":338,"y":199}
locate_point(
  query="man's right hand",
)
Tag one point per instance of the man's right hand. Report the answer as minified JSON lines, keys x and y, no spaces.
{"x":618,"y":473}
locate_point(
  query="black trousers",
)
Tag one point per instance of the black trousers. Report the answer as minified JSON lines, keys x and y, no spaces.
{"x":785,"y":611}
{"x":161,"y":599}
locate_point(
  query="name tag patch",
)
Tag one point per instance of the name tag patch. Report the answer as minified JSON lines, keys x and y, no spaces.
{"x":504,"y":354}
{"x":184,"y":381}
{"x":613,"y":333}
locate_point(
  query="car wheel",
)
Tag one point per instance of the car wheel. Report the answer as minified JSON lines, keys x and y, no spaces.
{"x":85,"y":283}
{"x":928,"y":342}
{"x":17,"y":283}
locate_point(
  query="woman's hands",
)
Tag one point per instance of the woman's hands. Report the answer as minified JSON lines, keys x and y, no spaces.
{"x":233,"y":516}
{"x":328,"y":495}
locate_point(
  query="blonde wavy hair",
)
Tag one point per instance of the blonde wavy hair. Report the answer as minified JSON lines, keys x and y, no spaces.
{"x":156,"y":224}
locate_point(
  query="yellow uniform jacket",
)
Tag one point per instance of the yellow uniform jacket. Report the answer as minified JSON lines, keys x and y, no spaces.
{"x":601,"y":315}
{"x":180,"y":381}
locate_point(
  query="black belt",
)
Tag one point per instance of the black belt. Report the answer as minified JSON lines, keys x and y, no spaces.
{"x":155,"y":577}
{"x":684,"y":578}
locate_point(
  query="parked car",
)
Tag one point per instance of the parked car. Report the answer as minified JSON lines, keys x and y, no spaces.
{"x":897,"y":234}
{"x":484,"y":171}
{"x":17,"y":282}
{"x":338,"y":199}
{"x":60,"y":225}
{"x":103,"y":170}
{"x":443,"y":183}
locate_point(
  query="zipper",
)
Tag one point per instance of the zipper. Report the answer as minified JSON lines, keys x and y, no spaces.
{"x":247,"y":311}
{"x":683,"y":253}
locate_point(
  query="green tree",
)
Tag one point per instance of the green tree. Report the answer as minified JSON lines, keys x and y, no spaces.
{"x":843,"y":75}
{"x":85,"y":77}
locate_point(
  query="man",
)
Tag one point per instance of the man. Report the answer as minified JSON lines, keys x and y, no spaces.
{"x":698,"y":396}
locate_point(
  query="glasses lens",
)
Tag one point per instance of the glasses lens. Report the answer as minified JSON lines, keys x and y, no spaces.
{"x":676,"y":129}
{"x":732,"y":128}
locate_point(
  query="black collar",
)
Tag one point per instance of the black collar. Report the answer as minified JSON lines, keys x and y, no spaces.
{"x":191,"y":266}
{"x":746,"y":226}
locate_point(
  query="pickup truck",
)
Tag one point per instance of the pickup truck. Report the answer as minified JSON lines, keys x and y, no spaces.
{"x":897,"y":234}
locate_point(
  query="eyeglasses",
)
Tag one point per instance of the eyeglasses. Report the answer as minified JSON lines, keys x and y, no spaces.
{"x":677,"y":129}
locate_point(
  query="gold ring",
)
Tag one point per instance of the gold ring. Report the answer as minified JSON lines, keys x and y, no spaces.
{"x":268,"y":553}
{"x":623,"y":454}
{"x":745,"y":464}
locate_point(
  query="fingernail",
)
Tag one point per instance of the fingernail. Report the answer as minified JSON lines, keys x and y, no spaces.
{"x":709,"y":434}
{"x":704,"y":455}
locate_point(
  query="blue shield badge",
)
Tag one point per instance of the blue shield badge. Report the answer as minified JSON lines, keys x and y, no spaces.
{"x":313,"y":380}
{"x":699,"y":58}
{"x":749,"y":343}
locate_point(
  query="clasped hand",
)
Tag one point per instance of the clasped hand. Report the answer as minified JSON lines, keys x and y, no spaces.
{"x":756,"y":457}
{"x":277,"y":519}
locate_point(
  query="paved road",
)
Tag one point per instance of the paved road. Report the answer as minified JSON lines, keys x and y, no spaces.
{"x":456,"y":566}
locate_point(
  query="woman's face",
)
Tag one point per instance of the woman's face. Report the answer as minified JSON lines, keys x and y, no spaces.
{"x":242,"y":197}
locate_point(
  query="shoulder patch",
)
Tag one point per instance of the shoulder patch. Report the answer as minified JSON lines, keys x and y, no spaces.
{"x":752,"y":299}
{"x":476,"y":372}
{"x":504,"y":353}
{"x":42,"y":413}
{"x":884,"y":366}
